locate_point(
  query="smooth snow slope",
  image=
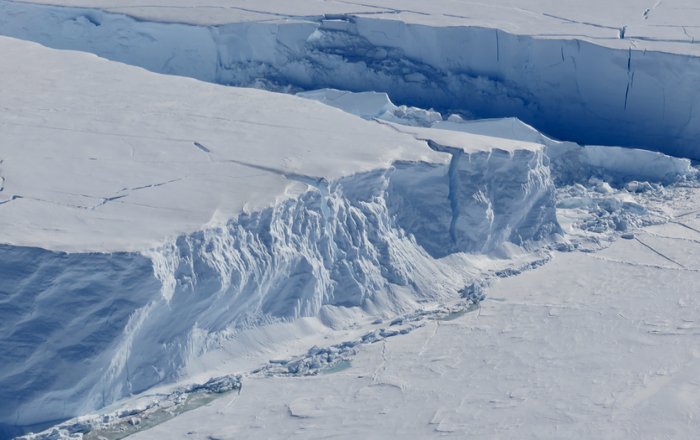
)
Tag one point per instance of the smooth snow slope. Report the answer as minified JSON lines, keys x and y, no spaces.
{"x":559,"y":66}
{"x":192,"y":212}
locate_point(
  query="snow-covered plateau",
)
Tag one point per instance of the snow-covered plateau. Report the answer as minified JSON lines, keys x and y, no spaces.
{"x":348,"y":219}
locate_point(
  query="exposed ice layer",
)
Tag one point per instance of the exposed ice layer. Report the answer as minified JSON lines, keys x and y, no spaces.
{"x":568,"y":88}
{"x":667,"y":25}
{"x":569,"y":162}
{"x":370,"y":241}
{"x":572,"y":163}
{"x":494,"y":197}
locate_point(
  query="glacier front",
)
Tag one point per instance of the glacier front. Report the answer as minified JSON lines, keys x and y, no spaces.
{"x":146,"y":219}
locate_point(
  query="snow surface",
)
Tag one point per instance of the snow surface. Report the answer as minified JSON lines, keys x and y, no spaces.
{"x":104,"y":157}
{"x":607,"y":350}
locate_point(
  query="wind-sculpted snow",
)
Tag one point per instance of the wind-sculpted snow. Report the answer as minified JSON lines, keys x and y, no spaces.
{"x":570,"y":88}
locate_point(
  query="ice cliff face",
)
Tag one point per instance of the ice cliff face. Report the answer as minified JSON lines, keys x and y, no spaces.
{"x":570,"y":89}
{"x":380,"y":241}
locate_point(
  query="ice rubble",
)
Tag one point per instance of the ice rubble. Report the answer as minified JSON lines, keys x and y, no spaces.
{"x":573,"y":84}
{"x":599,"y":189}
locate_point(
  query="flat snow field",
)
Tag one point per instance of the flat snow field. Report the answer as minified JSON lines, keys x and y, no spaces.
{"x":589,"y":346}
{"x":667,"y":25}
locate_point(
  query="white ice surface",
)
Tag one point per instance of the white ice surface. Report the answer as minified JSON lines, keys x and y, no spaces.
{"x":669,"y":25}
{"x":608,"y":350}
{"x":570,"y":161}
{"x":101,"y":156}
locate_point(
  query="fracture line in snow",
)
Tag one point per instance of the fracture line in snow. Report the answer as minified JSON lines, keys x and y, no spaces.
{"x":114,"y":9}
{"x":630,"y":263}
{"x":153,"y":185}
{"x":667,"y":237}
{"x":10,"y":199}
{"x":429,"y":339}
{"x":648,"y":11}
{"x":382,"y":10}
{"x":96,"y":132}
{"x":569,"y":20}
{"x":659,"y":253}
{"x":107,"y":200}
{"x":202,"y":147}
{"x":319,"y":183}
{"x":675,"y":222}
{"x":103,"y":201}
{"x":685,"y":214}
{"x":381,"y":368}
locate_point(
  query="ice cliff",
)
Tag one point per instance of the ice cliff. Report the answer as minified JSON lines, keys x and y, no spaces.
{"x":380,"y":241}
{"x":265,"y":208}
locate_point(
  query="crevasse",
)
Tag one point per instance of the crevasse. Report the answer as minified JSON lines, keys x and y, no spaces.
{"x":569,"y":89}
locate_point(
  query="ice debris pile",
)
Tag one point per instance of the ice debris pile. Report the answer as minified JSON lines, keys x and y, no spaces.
{"x":121,"y":423}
